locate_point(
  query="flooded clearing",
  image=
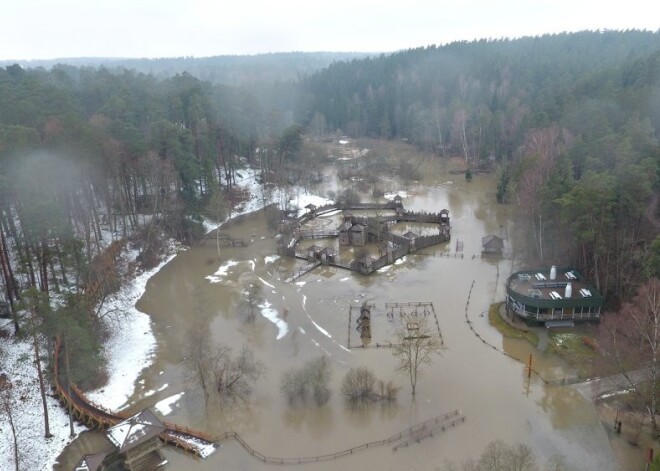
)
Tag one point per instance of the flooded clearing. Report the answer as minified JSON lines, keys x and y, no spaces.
{"x":201,"y":288}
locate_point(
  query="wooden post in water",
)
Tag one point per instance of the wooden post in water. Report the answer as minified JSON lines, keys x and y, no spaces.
{"x":529,"y":367}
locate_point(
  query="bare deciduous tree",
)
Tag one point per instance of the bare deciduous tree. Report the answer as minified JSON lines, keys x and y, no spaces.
{"x":499,"y":456}
{"x":250,"y":298}
{"x":360,"y":384}
{"x":415,"y":346}
{"x":235,"y":375}
{"x":6,"y":408}
{"x":633,"y":338}
{"x":310,"y":380}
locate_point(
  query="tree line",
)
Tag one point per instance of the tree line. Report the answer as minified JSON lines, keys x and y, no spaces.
{"x":571,"y":121}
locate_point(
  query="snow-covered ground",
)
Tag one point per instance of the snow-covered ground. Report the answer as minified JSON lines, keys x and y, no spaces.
{"x":35,"y":452}
{"x":128,"y":351}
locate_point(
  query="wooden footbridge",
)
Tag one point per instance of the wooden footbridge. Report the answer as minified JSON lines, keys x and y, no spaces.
{"x":96,"y":416}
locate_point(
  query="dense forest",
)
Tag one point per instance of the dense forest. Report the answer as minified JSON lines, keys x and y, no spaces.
{"x":571,"y":122}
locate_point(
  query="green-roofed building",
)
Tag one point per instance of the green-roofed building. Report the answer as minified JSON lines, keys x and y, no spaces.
{"x":555,"y":296}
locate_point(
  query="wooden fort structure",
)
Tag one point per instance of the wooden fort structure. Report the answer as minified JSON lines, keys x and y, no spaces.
{"x":359,"y":231}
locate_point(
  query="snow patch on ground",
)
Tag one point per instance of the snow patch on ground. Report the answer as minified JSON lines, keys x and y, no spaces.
{"x":222,"y":271}
{"x":35,"y":452}
{"x":266,"y":283}
{"x":271,"y":258}
{"x":130,"y":348}
{"x":303,"y":200}
{"x":154,"y":391}
{"x":393,"y":194}
{"x":269,"y":313}
{"x":128,"y":352}
{"x":165,"y":406}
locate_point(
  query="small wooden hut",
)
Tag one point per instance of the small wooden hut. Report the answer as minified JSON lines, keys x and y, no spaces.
{"x":358,"y":235}
{"x":344,"y":233}
{"x":444,"y":216}
{"x":492,"y":244}
{"x":312,"y":208}
{"x":137,"y":440}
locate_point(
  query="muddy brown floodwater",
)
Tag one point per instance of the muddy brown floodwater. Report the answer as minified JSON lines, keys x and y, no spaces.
{"x":201,"y":288}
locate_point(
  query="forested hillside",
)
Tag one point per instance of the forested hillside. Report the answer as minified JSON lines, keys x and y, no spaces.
{"x":88,"y":157}
{"x":572,"y":119}
{"x":242,"y":71}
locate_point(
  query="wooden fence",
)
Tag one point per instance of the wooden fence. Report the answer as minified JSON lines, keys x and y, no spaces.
{"x":412,"y":434}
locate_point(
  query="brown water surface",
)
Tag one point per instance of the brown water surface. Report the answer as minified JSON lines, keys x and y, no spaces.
{"x":491,"y":389}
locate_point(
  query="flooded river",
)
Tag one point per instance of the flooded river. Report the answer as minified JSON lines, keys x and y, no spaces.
{"x":200,"y":288}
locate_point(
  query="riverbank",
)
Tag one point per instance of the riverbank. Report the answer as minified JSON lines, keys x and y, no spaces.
{"x":128,"y":350}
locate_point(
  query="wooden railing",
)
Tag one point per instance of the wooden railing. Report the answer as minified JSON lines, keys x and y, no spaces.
{"x":95,"y":415}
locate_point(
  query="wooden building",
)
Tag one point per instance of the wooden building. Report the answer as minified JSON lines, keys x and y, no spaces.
{"x":94,"y":462}
{"x":358,"y":235}
{"x":344,"y":233}
{"x":492,"y":244}
{"x":137,"y":441}
{"x":444,"y":216}
{"x":552,"y":297}
{"x":311,"y":208}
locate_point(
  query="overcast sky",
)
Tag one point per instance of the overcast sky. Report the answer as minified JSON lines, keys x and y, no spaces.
{"x":47,"y":29}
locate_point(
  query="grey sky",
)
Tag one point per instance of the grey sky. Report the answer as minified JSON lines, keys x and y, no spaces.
{"x":46,"y":29}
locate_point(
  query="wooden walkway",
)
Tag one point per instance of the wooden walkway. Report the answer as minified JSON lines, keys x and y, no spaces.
{"x":194,"y":441}
{"x":96,"y":416}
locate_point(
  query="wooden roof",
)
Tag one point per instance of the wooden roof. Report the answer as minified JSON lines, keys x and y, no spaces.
{"x":492,"y":241}
{"x":91,"y":462}
{"x":134,"y":431}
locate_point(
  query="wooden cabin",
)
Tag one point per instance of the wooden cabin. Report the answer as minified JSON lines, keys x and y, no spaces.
{"x":444,"y":216}
{"x":492,"y":244}
{"x":344,"y":233}
{"x":137,"y":441}
{"x":358,"y":235}
{"x":347,"y":215}
{"x":311,"y":208}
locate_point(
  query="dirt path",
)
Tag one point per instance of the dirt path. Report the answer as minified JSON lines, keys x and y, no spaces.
{"x":596,"y":388}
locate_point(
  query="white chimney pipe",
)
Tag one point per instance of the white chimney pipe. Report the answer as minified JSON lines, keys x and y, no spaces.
{"x":569,"y":290}
{"x":553,"y":273}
